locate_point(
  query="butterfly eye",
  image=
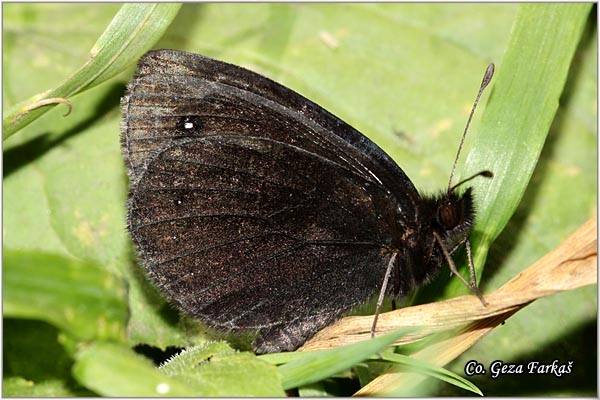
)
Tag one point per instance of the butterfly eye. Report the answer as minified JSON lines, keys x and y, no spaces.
{"x":448,"y":216}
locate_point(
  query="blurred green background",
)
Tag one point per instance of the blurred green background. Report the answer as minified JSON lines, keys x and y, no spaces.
{"x":403,"y":74}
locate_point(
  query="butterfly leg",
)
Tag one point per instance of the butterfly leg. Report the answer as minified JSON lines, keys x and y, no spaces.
{"x":471,"y":265}
{"x":473,"y":285}
{"x":382,"y":292}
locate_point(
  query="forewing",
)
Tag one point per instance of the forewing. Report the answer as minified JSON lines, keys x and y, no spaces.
{"x":177,"y":95}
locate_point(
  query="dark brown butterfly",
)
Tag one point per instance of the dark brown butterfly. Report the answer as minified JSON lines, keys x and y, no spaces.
{"x":254,"y":209}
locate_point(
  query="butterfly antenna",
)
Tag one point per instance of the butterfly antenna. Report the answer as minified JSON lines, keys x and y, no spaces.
{"x":487,"y":77}
{"x":486,"y":173}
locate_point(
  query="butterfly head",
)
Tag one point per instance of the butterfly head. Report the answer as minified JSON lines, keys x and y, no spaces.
{"x":454,"y":216}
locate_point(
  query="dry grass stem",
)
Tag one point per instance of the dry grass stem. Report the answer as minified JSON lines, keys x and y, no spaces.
{"x":571,"y":265}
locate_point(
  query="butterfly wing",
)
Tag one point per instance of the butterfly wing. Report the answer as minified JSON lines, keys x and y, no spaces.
{"x":177,"y":95}
{"x":251,"y":207}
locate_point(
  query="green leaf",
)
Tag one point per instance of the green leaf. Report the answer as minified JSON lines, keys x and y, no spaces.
{"x":153,"y":321}
{"x":527,"y":88}
{"x":20,"y":387}
{"x":315,"y":366}
{"x":214,"y":369}
{"x":78,"y":297}
{"x":132,"y":32}
{"x":49,"y":376}
{"x":114,"y":370}
{"x":421,"y":367}
{"x":522,"y":106}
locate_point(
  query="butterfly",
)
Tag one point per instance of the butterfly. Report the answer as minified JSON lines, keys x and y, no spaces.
{"x":253,"y":209}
